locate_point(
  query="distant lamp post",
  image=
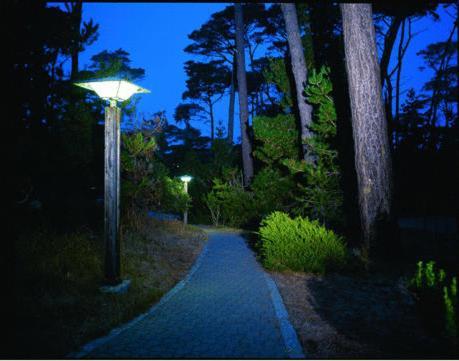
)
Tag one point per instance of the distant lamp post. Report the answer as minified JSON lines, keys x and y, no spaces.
{"x":112,"y":90}
{"x":185,"y":179}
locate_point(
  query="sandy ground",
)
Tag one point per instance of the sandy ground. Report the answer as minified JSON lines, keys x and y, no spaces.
{"x":347,"y":317}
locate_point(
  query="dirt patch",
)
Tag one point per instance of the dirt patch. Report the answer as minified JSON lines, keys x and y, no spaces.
{"x":339,"y":316}
{"x":165,"y":251}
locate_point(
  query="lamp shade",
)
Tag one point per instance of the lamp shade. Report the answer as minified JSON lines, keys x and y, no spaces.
{"x":112,"y":89}
{"x":186,"y":178}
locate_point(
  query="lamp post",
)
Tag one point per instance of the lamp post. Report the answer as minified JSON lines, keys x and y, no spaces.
{"x":185,"y":179}
{"x":113,"y":90}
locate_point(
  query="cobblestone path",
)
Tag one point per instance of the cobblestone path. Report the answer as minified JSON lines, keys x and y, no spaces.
{"x":224,"y":309}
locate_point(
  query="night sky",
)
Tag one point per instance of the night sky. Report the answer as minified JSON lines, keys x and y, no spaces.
{"x":155,"y":35}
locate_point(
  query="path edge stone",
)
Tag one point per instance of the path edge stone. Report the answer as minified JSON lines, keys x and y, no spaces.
{"x":292,"y":344}
{"x":92,"y":345}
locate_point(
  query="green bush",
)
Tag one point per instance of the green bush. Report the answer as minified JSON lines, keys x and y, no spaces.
{"x":300,"y":245}
{"x":317,"y":192}
{"x":437,"y":295}
{"x":272,"y":191}
{"x":229,"y":203}
{"x":320,"y":195}
{"x":146,"y":182}
{"x":173,"y":198}
{"x":276,"y":137}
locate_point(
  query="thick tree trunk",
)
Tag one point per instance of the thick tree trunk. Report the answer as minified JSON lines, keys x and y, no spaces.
{"x":372,"y":152}
{"x":77,"y":11}
{"x":247,"y":161}
{"x":231,"y":104}
{"x":299,"y":72}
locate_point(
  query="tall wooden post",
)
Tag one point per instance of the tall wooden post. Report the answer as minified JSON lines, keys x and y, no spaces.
{"x":185,"y":213}
{"x":112,"y":194}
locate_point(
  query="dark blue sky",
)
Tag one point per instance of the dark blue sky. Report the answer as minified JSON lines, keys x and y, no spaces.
{"x":155,"y":35}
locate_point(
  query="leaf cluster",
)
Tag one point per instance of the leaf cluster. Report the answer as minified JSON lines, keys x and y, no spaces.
{"x":146,"y":183}
{"x":320,"y":195}
{"x":276,"y":137}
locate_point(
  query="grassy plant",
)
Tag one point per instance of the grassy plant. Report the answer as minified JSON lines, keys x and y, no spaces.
{"x":300,"y":245}
{"x":419,"y":272}
{"x":437,"y":294}
{"x":450,"y":313}
{"x":59,"y":306}
{"x":430,"y":274}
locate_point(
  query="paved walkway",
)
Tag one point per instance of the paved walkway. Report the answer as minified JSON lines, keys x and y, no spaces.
{"x":227,"y":307}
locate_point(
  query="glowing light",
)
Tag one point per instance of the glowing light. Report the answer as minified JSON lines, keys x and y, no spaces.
{"x":186,"y":178}
{"x":113,"y":89}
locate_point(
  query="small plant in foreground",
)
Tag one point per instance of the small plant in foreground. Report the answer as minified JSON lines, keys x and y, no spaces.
{"x":300,"y":244}
{"x":450,"y":313}
{"x":437,"y":293}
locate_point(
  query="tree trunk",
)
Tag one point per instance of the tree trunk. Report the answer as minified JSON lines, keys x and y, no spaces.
{"x":247,"y":161}
{"x":434,"y":103}
{"x":212,"y":123}
{"x":389,"y":41}
{"x":399,"y":73}
{"x":394,"y":134}
{"x":231,"y":104}
{"x":77,"y":11}
{"x":388,"y":105}
{"x":372,"y":152}
{"x":300,"y":72}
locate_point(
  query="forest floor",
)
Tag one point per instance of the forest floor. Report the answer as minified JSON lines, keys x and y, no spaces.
{"x":338,"y":316}
{"x":58,"y":303}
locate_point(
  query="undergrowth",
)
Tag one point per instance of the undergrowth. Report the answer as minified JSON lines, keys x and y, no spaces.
{"x":300,"y":244}
{"x":58,"y":303}
{"x":437,"y":297}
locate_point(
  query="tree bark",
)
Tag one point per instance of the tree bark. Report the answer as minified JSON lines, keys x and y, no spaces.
{"x":300,"y":72}
{"x":231,"y":104}
{"x":247,"y":161}
{"x":372,"y":152}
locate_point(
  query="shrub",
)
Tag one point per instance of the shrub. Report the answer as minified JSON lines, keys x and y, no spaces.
{"x":320,"y":196}
{"x":137,"y":154}
{"x":272,"y":191}
{"x":437,"y":294}
{"x":173,"y":198}
{"x":300,"y":245}
{"x":146,"y":183}
{"x":277,"y":138}
{"x":277,"y":143}
{"x":229,"y":203}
